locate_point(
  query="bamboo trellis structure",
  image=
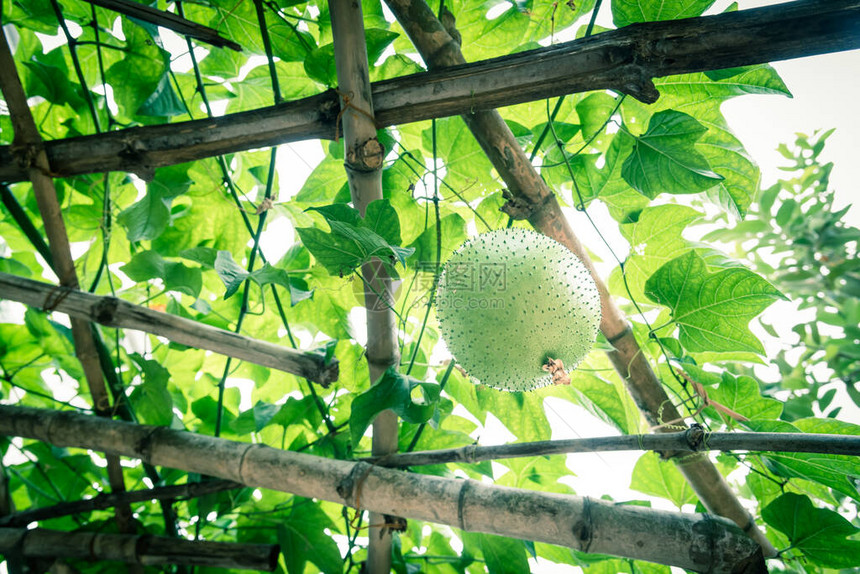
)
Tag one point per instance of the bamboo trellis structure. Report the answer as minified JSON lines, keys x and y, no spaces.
{"x":702,"y":543}
{"x":790,"y":30}
{"x":624,"y":60}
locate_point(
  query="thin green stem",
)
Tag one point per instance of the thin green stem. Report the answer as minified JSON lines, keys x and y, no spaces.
{"x":76,"y":62}
{"x":420,"y":429}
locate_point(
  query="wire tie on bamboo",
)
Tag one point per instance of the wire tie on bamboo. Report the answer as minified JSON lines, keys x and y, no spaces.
{"x":56,"y":295}
{"x":461,"y":503}
{"x":349,"y":488}
{"x":347,"y":104}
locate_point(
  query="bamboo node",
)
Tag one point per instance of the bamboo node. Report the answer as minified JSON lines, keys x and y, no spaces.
{"x":584,"y":528}
{"x":461,"y":503}
{"x":366,"y":156}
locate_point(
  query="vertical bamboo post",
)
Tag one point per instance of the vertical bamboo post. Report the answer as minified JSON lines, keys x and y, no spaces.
{"x":363,"y":155}
{"x":27,"y":137}
{"x":436,"y":45}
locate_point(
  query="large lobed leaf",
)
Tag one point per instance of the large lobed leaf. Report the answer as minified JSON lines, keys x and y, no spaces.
{"x":712,"y":310}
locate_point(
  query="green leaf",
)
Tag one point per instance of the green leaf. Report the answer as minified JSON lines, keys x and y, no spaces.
{"x":742,"y":395}
{"x":255,"y":419}
{"x":663,"y":159}
{"x":352,"y":240}
{"x":146,"y":219}
{"x":712,"y":310}
{"x":655,"y":239}
{"x":467,"y":168}
{"x":821,"y":534}
{"x":230,"y":272}
{"x":137,"y":76}
{"x":835,"y":471}
{"x":626,"y":12}
{"x":324,"y":182}
{"x":602,"y":400}
{"x":151,"y":400}
{"x":453,"y":234}
{"x":503,"y":555}
{"x":392,"y":391}
{"x":297,"y":287}
{"x":661,"y":478}
{"x":144,"y":266}
{"x":303,"y":539}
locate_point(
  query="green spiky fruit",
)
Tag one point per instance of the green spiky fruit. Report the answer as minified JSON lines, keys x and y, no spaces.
{"x":511,"y":299}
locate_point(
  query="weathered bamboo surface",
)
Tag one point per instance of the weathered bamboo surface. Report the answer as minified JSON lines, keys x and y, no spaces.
{"x":702,"y":543}
{"x":363,"y":161}
{"x":114,"y":312}
{"x":694,"y":439}
{"x":623,"y":60}
{"x":146,"y":550}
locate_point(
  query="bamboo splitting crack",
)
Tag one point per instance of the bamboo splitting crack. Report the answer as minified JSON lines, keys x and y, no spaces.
{"x":114,"y":312}
{"x":605,"y":61}
{"x":499,"y":144}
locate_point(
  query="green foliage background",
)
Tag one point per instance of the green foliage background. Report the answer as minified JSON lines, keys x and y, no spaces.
{"x":709,"y":252}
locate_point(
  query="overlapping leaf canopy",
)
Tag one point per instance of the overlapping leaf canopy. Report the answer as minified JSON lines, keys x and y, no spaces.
{"x":188,"y":242}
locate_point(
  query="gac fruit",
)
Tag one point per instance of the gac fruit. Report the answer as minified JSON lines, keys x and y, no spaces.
{"x":513,"y":301}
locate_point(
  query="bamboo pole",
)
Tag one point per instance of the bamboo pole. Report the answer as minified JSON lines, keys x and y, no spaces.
{"x":110,"y":499}
{"x":114,"y":312}
{"x":168,"y":20}
{"x":607,"y":60}
{"x":144,"y":550}
{"x":694,"y":439}
{"x":363,"y":155}
{"x":703,"y":543}
{"x":27,"y":136}
{"x":439,"y":50}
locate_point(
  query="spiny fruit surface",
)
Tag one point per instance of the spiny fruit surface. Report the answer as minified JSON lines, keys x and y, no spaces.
{"x":510,"y":299}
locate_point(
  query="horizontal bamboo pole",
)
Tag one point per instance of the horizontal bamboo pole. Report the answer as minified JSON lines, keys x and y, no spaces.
{"x":623,"y":60}
{"x":168,"y":20}
{"x":114,"y":312}
{"x":697,"y":542}
{"x":146,"y":550}
{"x":694,"y":439}
{"x":111,"y":499}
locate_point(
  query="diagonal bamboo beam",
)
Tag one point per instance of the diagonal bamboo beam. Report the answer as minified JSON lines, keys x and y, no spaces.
{"x":114,"y":312}
{"x":698,"y":542}
{"x":363,"y":155}
{"x":439,"y":50}
{"x":168,"y":20}
{"x":27,"y":135}
{"x":143,"y":550}
{"x":623,"y":59}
